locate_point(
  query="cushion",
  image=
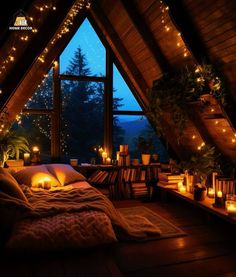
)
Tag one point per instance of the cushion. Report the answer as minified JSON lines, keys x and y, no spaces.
{"x":36,"y":176}
{"x":10,"y":186}
{"x":65,"y":173}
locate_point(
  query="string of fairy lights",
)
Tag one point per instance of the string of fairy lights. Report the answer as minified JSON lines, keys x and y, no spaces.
{"x":43,"y":10}
{"x":10,"y":58}
{"x":167,"y":25}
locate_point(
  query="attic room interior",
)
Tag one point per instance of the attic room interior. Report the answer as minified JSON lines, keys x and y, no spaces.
{"x":118,"y":138}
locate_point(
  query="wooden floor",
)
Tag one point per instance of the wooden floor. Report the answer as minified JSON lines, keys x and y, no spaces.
{"x":209,"y":249}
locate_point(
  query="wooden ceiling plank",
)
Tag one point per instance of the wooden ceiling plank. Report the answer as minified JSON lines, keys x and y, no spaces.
{"x":148,"y":38}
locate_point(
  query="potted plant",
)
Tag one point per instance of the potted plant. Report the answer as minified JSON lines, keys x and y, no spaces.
{"x":202,"y":164}
{"x":145,"y":146}
{"x":199,"y":192}
{"x":10,"y":146}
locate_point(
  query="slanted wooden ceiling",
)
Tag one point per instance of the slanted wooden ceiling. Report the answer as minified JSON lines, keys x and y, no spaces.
{"x":146,"y":42}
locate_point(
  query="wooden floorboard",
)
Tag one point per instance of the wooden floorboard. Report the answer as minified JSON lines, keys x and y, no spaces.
{"x":206,"y":243}
{"x":207,"y":250}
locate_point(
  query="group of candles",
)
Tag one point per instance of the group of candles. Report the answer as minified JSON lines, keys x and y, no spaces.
{"x":44,"y":183}
{"x":34,"y":158}
{"x":220,"y":199}
{"x":103,"y":154}
{"x":106,"y":159}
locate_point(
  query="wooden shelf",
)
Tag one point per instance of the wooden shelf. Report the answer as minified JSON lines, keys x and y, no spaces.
{"x":206,"y":205}
{"x":120,"y":180}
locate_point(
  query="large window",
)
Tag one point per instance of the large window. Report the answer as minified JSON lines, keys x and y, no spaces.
{"x":84,"y":102}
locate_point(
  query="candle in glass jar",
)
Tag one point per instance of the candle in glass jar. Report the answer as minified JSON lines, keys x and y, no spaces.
{"x":231,"y":208}
{"x":219,"y":194}
{"x":211,"y":193}
{"x":26,"y":158}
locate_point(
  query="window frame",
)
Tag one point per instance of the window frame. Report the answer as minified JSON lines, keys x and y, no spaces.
{"x":107,"y":80}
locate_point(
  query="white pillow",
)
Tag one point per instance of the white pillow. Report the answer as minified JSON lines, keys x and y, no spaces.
{"x":36,"y":176}
{"x":65,"y":173}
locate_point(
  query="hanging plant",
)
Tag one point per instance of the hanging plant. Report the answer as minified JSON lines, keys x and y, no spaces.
{"x":202,"y":80}
{"x":167,"y":95}
{"x":174,"y":91}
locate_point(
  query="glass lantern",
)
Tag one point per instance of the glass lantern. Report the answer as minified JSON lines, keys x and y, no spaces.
{"x":230,"y":205}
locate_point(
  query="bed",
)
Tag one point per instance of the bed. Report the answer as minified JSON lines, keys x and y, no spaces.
{"x":52,"y":207}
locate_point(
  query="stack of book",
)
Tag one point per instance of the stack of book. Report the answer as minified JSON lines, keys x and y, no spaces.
{"x":98,"y":177}
{"x":139,"y":189}
{"x":170,"y":180}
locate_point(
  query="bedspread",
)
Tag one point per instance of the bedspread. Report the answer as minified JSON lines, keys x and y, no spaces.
{"x":47,"y":207}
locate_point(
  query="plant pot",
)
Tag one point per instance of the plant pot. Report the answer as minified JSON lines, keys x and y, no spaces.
{"x":199,"y":194}
{"x":146,"y":159}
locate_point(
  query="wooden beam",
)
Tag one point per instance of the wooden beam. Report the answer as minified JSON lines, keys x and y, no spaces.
{"x":128,"y":112}
{"x":56,"y":115}
{"x":146,"y":34}
{"x":82,"y":78}
{"x":37,"y":111}
{"x":108,"y":105}
{"x":120,"y":51}
{"x":190,"y":35}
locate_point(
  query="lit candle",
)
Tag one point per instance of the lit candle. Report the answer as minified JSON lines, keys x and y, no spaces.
{"x":231,"y":208}
{"x":47,"y":183}
{"x":35,"y":149}
{"x":104,"y":156}
{"x":108,"y":160}
{"x":219,"y":194}
{"x":211,"y":193}
{"x":26,"y":158}
{"x":182,"y":189}
{"x":100,"y":150}
{"x":117,"y":155}
{"x":179,"y":185}
{"x":40,"y":184}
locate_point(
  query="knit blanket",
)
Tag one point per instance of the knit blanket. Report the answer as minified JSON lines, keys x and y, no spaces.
{"x":73,"y":212}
